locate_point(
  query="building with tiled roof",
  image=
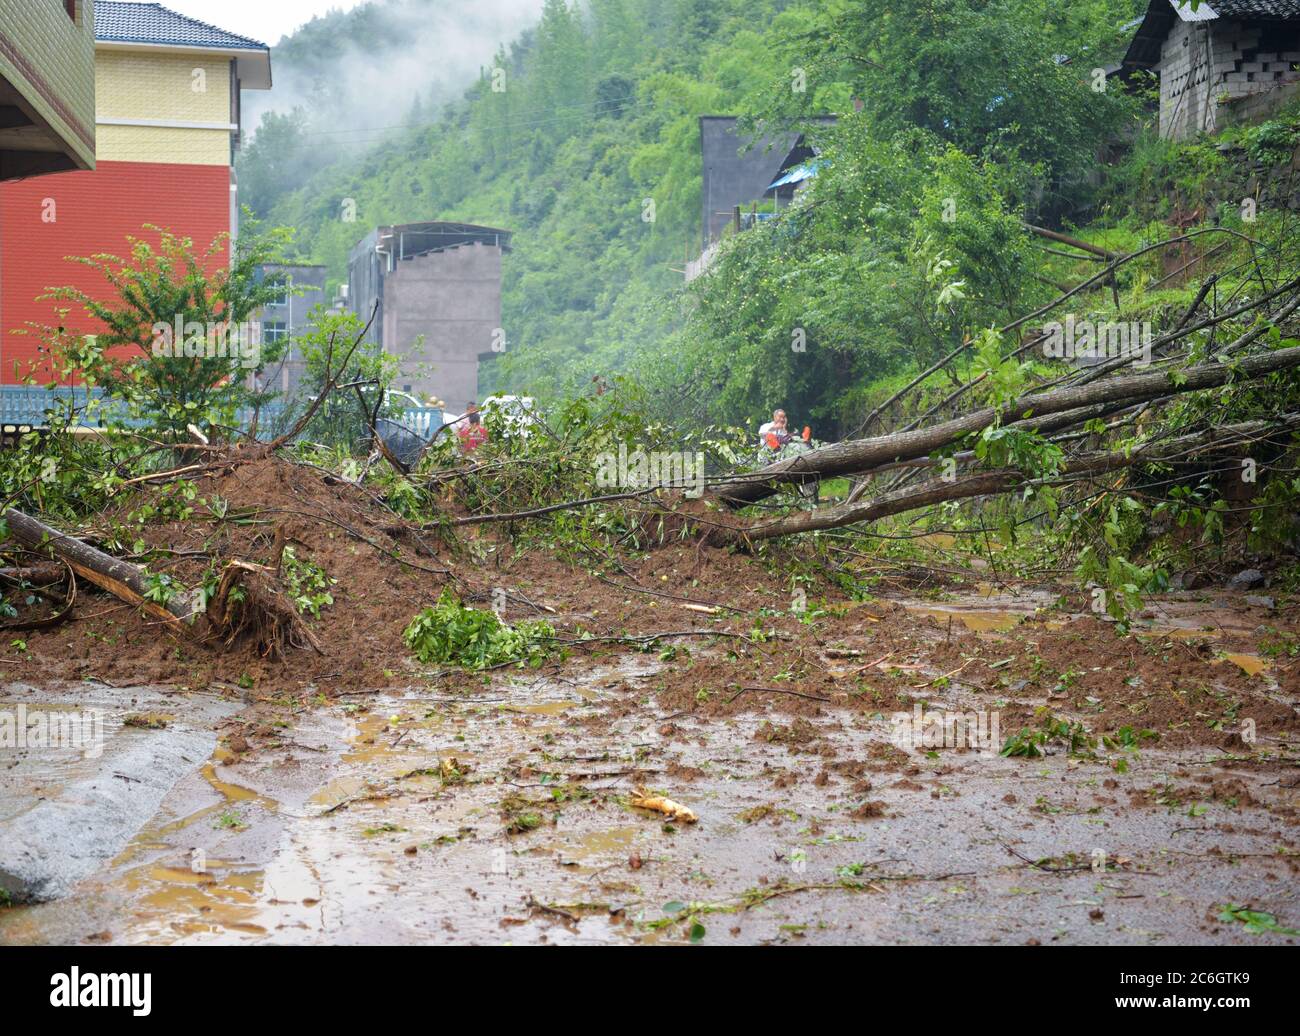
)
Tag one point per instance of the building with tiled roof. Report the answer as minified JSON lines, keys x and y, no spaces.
{"x":126,"y":25}
{"x":1226,"y":61}
{"x":167,"y":117}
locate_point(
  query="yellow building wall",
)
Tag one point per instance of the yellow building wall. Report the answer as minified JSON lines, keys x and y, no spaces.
{"x":162,"y":87}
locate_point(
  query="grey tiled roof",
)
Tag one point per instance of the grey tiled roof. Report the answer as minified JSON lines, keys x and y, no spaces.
{"x":118,"y":22}
{"x":1270,"y":9}
{"x":1144,"y":50}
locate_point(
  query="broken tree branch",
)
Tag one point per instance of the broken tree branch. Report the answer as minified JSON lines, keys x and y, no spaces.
{"x":854,"y":456}
{"x":1073,"y":242}
{"x":332,"y":376}
{"x":988,"y":483}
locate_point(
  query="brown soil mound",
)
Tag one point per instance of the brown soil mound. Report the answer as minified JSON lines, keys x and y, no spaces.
{"x":269,"y":503}
{"x":726,"y":633}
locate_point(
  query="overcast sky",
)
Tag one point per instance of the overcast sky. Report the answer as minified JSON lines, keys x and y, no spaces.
{"x":265,"y":20}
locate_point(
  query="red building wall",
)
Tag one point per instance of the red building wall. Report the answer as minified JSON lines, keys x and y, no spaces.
{"x":94,"y":212}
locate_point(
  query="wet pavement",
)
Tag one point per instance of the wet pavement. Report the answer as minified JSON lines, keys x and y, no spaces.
{"x":500,"y":813}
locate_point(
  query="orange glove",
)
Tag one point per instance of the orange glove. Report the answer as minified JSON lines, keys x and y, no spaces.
{"x":807,"y":433}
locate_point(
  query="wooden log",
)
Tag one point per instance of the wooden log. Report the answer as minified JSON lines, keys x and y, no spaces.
{"x":991,"y":483}
{"x":34,"y":574}
{"x":858,"y":455}
{"x":1073,"y":242}
{"x":123,"y":580}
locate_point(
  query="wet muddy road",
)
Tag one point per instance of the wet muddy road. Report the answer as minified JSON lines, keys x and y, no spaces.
{"x":500,"y":812}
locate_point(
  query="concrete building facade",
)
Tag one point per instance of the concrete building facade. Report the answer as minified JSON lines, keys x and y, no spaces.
{"x":47,"y":87}
{"x":1228,"y":61}
{"x":735,"y":173}
{"x":437,"y":289}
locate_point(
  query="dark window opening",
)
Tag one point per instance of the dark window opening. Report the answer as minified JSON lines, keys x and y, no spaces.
{"x":273,"y":332}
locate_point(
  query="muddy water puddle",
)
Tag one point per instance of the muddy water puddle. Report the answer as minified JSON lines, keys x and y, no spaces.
{"x":986,"y":609}
{"x":989,"y":610}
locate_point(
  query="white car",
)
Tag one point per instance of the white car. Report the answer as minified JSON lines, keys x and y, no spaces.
{"x":517,"y":415}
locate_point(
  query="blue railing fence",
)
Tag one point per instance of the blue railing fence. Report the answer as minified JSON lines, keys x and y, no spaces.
{"x":25,"y":407}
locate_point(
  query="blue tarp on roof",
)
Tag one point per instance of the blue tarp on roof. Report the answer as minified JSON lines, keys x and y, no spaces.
{"x":797,"y":175}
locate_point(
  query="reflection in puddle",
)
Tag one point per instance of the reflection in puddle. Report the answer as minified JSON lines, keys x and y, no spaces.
{"x":175,"y":902}
{"x":546,"y":708}
{"x":591,"y":851}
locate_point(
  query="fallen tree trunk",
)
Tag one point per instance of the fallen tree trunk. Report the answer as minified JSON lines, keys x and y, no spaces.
{"x":1073,"y":242}
{"x":260,"y":611}
{"x":859,"y":455}
{"x":989,"y":483}
{"x":120,"y":578}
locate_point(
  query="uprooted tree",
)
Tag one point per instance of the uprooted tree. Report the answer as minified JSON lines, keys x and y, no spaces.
{"x":1219,"y":385}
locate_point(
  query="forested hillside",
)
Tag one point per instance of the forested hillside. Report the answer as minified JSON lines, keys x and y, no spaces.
{"x":959,"y":122}
{"x":598,"y":114}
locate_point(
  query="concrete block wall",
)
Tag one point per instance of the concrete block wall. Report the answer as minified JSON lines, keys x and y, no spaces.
{"x":1187,"y":62}
{"x":1258,"y":106}
{"x":441,"y":311}
{"x":1207,"y":69}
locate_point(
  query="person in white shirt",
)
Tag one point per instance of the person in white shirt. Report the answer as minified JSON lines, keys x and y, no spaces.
{"x":776,"y":427}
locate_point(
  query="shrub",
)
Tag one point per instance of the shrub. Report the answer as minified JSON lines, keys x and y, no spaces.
{"x":452,"y":633}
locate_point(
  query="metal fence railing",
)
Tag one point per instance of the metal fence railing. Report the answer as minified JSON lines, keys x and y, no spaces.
{"x":25,"y":407}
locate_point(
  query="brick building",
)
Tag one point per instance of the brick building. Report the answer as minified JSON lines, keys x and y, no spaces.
{"x":167,"y":116}
{"x":1228,"y":61}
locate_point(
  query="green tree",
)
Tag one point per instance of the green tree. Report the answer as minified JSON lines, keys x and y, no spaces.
{"x":276,"y":160}
{"x":175,"y":341}
{"x":974,"y":73}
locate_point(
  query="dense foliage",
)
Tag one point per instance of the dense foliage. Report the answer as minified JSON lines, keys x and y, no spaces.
{"x":176,"y":342}
{"x":582,"y":136}
{"x":961,"y":125}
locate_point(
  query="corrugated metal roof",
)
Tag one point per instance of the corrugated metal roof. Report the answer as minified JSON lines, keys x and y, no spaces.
{"x":798,"y":174}
{"x":1203,"y":13}
{"x":119,"y":22}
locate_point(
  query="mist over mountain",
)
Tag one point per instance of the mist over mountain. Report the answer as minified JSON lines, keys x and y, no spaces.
{"x":358,"y":73}
{"x":365,"y":66}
